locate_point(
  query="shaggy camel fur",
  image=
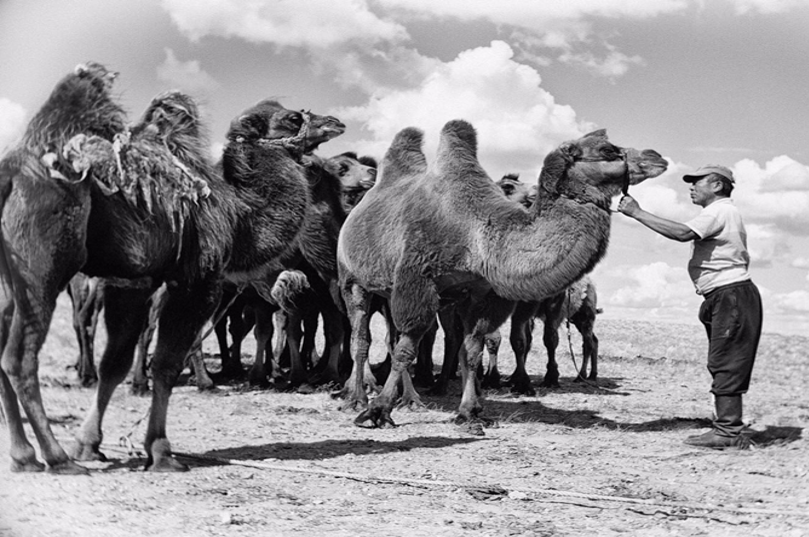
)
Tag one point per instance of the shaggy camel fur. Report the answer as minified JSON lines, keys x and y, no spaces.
{"x":335,"y":184}
{"x":445,"y":234}
{"x":146,"y":206}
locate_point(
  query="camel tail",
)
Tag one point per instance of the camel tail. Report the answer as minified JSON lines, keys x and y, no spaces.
{"x":458,"y":146}
{"x":405,"y":156}
{"x":292,"y":292}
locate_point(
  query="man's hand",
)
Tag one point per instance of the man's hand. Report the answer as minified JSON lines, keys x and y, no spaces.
{"x":628,"y":206}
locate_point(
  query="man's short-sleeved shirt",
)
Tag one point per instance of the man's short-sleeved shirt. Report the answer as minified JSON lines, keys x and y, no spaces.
{"x":719,"y":256}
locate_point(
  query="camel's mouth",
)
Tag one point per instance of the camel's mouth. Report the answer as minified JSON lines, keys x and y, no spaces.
{"x":644,"y":164}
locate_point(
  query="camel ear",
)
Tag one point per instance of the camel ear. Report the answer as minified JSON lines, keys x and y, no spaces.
{"x":570,"y":151}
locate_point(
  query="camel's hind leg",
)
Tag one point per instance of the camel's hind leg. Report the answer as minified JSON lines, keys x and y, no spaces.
{"x":125,"y":313}
{"x":184,"y":314}
{"x":358,"y":302}
{"x":522,"y":326}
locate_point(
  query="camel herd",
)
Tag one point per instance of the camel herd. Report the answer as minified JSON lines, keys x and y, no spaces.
{"x":273,"y":231}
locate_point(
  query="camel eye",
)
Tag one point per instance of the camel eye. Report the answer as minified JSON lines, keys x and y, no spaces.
{"x":611,"y":152}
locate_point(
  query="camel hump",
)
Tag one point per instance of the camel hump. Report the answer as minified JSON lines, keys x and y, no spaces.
{"x":458,"y":145}
{"x":405,"y":156}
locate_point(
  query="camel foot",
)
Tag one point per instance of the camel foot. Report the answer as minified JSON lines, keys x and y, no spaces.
{"x":304,"y":388}
{"x":550,"y":383}
{"x":88,"y":382}
{"x":227,"y":375}
{"x":206,"y":387}
{"x":161,"y":460}
{"x":523,"y":389}
{"x":472,"y":428}
{"x":491,"y":382}
{"x":68,"y":468}
{"x":353,"y":404}
{"x":378,"y":416}
{"x":413,"y":405}
{"x":27,"y":466}
{"x":88,"y":452}
{"x":166,"y":464}
{"x":140,"y":390}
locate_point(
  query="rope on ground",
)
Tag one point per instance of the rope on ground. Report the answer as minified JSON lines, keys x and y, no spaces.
{"x":678,"y":508}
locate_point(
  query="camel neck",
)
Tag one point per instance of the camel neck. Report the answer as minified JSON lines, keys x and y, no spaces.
{"x":535,"y":259}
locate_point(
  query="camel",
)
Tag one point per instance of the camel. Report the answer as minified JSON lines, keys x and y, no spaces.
{"x":444,"y":234}
{"x":336,"y":183}
{"x":141,"y":205}
{"x":86,"y":297}
{"x":577,"y":304}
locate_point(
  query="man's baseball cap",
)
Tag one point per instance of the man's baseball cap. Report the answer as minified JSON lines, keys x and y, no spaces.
{"x":707,"y":170}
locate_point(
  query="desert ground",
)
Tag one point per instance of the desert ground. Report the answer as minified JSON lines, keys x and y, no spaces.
{"x":586,"y":459}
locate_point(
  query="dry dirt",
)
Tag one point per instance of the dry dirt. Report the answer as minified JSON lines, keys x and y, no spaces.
{"x":580,"y":460}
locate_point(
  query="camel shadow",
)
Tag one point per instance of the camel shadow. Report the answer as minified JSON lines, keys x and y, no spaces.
{"x":327,"y":449}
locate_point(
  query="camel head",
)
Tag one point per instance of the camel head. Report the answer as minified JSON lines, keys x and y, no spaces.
{"x":96,"y":73}
{"x":269,"y":122}
{"x":516,"y":190}
{"x":593,"y":160}
{"x":355,"y":173}
{"x":82,"y":101}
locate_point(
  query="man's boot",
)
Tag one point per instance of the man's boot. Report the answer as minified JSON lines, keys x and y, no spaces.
{"x":727,"y":427}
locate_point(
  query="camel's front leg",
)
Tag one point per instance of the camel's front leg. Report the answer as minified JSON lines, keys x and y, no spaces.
{"x":185,"y":312}
{"x":521,"y":334}
{"x":125,"y":314}
{"x":378,"y":412}
{"x":25,"y":322}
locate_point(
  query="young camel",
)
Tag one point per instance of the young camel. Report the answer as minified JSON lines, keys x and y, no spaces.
{"x":445,"y":234}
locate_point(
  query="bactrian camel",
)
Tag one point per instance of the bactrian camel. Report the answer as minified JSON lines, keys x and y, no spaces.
{"x":145,"y":205}
{"x":444,"y":234}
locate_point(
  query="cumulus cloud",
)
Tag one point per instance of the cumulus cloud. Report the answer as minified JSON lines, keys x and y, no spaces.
{"x":793,"y":302}
{"x":286,"y":23}
{"x":12,"y":123}
{"x":801,"y":262}
{"x":614,"y":65}
{"x":656,"y":285}
{"x":776,"y":193}
{"x":743,"y":7}
{"x":188,"y":75}
{"x":517,"y":121}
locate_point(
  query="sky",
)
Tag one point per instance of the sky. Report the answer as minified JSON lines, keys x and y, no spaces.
{"x":700,"y":81}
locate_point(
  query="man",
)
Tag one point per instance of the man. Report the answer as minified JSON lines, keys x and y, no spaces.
{"x":731,"y":310}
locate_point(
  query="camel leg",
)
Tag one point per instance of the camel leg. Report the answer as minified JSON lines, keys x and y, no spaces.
{"x":84,"y":293}
{"x":125,"y":314}
{"x":333,"y":335}
{"x":550,"y":337}
{"x":521,"y":334}
{"x":263,"y":364}
{"x":481,"y":319}
{"x":589,"y":348}
{"x":453,"y":341}
{"x":30,"y":318}
{"x":184,"y":315}
{"x":297,"y":369}
{"x":357,"y":301}
{"x":413,"y":307}
{"x":424,"y":362}
{"x":492,"y":377}
{"x":140,"y":377}
{"x":240,"y":324}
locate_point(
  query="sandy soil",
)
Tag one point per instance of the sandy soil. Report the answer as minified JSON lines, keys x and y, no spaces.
{"x":580,"y":460}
